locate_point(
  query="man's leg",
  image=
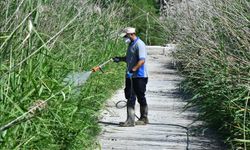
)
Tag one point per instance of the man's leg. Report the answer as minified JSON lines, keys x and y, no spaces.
{"x":130,"y":96}
{"x":129,"y":93}
{"x":140,"y":89}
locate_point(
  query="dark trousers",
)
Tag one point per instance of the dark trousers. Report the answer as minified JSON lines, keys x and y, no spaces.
{"x":136,"y":88}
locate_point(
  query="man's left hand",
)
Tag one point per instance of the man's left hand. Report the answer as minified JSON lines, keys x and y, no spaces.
{"x":130,"y":74}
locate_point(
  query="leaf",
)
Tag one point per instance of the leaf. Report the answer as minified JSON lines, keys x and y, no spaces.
{"x":64,"y":96}
{"x":242,"y":140}
{"x":27,"y":95}
{"x":4,"y":133}
{"x":40,"y":90}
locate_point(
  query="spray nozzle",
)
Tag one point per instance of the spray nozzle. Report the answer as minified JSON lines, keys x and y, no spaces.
{"x":95,"y":69}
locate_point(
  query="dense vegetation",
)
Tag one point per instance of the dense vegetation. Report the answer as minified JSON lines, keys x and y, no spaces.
{"x":43,"y":41}
{"x":144,"y":14}
{"x":214,"y":51}
{"x":40,"y":43}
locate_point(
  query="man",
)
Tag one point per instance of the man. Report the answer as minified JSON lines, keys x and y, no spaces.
{"x":136,"y":77}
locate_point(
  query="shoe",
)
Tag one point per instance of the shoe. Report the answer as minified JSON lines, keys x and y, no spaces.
{"x":130,"y":122}
{"x":143,"y":120}
{"x":126,"y":124}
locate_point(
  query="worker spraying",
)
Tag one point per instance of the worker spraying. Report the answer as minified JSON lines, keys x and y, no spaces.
{"x":136,"y":77}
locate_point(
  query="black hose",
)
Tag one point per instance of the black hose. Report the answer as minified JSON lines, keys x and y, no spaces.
{"x":176,"y":125}
{"x":117,"y":105}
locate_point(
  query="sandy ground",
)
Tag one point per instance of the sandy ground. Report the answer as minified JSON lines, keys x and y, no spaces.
{"x":167,"y":129}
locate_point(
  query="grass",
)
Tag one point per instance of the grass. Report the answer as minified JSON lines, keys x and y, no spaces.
{"x":215,"y":59}
{"x":41,"y":42}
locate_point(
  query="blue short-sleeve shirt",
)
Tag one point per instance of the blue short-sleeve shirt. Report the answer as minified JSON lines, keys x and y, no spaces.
{"x":137,"y":51}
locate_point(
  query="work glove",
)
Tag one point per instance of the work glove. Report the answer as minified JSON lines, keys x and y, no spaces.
{"x":130,"y":74}
{"x":116,"y":59}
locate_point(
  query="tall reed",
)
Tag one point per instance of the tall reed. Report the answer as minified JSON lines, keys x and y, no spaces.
{"x":214,"y":52}
{"x":41,"y":42}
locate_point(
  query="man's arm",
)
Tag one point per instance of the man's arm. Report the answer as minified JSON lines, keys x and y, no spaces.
{"x":142,"y":56}
{"x":138,"y":65}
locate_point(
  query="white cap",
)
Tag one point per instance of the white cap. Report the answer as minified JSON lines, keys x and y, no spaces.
{"x":127,"y":30}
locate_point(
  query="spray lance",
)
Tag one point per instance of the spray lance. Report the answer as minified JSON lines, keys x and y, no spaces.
{"x":94,"y":69}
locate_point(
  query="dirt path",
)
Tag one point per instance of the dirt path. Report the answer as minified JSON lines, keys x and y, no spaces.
{"x":166,"y":130}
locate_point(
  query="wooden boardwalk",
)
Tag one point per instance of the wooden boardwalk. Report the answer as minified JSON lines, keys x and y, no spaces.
{"x":166,"y":130}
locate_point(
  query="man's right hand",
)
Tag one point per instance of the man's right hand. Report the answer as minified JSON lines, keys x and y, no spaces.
{"x":119,"y":59}
{"x":116,"y":59}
